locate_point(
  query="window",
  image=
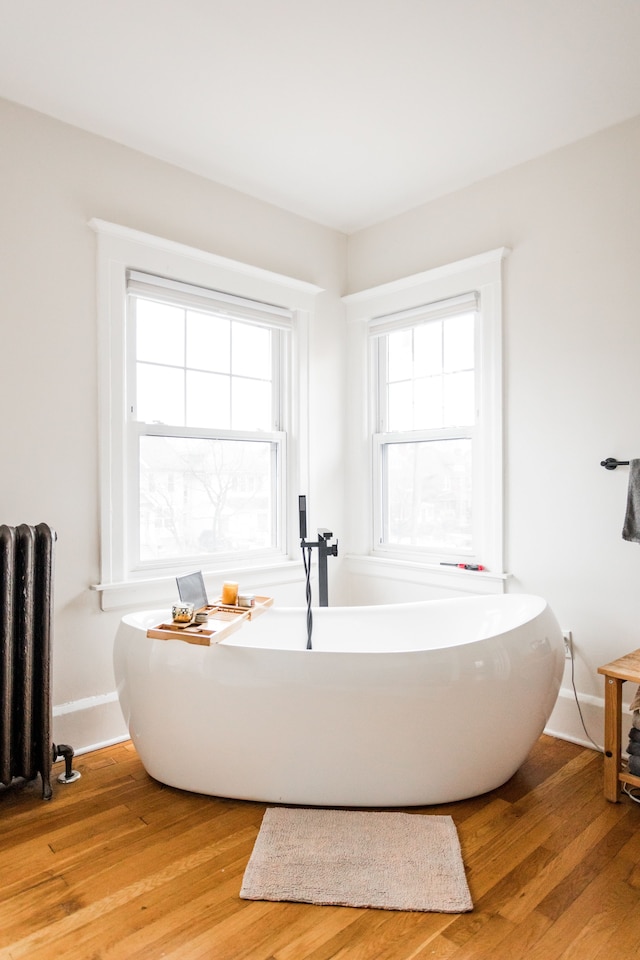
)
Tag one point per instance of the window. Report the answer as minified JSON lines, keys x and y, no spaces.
{"x":426,"y":402}
{"x":430,"y":349}
{"x":203,"y":382}
{"x":205,"y":401}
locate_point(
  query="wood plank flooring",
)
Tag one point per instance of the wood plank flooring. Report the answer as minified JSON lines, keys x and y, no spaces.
{"x":118,"y":866}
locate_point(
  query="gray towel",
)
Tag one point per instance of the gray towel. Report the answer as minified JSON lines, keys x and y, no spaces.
{"x":631,"y":528}
{"x":634,"y":766}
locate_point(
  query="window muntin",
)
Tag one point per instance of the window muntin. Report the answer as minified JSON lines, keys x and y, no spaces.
{"x":197,"y":369}
{"x":429,"y":374}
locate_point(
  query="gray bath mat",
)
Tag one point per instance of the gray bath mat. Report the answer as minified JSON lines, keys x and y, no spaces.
{"x":392,"y":861}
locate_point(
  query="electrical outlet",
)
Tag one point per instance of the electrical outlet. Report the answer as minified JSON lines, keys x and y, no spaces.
{"x":568,"y":644}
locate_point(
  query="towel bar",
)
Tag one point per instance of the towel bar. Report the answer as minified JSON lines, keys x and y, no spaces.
{"x":611,"y":463}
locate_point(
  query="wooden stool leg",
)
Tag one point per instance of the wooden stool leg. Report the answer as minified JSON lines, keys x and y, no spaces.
{"x":612,"y":737}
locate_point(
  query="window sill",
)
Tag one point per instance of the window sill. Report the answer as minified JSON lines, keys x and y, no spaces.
{"x":159,"y":591}
{"x":427,"y":574}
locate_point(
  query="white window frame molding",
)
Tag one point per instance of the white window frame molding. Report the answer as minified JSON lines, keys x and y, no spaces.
{"x":483,"y":274}
{"x":120,"y":249}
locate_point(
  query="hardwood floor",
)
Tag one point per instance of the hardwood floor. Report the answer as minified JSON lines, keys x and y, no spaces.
{"x":119,"y":866}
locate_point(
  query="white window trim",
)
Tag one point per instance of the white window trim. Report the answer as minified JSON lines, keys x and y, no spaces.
{"x":481,"y":273}
{"x":119,"y":249}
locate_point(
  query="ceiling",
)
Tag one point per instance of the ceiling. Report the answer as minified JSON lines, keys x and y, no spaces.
{"x":343,"y":111}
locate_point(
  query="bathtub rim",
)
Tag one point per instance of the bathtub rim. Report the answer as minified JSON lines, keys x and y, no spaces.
{"x":529,"y":606}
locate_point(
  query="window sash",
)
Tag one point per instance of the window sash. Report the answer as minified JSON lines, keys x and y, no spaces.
{"x":277,"y":442}
{"x":241,"y":310}
{"x":382,"y":542}
{"x":380,"y":345}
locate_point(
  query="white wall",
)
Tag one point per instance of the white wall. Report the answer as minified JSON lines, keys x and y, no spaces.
{"x":572,"y":346}
{"x":53,"y":180}
{"x":572,"y":376}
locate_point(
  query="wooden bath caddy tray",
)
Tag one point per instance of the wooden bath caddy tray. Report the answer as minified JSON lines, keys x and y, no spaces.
{"x":223,"y":620}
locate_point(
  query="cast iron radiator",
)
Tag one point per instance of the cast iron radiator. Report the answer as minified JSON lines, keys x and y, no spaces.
{"x":26,"y":595}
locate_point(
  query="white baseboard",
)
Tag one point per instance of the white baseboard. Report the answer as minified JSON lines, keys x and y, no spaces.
{"x":565,"y":724}
{"x":90,"y":723}
{"x":95,"y":722}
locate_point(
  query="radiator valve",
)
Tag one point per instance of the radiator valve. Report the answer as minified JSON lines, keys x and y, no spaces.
{"x":69,"y":775}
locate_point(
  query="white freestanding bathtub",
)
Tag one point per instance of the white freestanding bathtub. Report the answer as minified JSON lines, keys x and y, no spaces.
{"x":398,"y":705}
